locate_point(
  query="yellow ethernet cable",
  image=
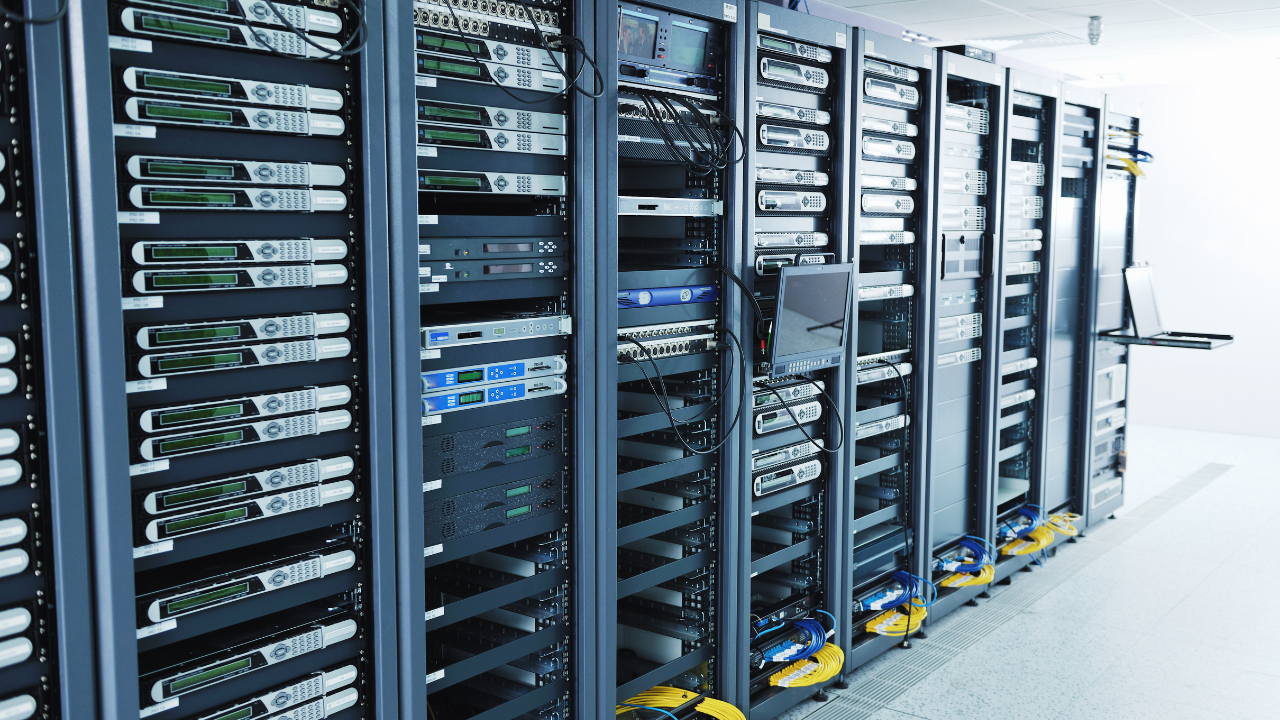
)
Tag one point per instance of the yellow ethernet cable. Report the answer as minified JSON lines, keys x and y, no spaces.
{"x":1032,"y":542}
{"x":1129,"y":165}
{"x":1063,"y":524}
{"x":896,"y":624}
{"x":803,"y":673}
{"x":984,"y":577}
{"x":669,"y":697}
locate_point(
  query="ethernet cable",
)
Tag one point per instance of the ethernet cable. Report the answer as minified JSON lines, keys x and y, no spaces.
{"x":894,"y":624}
{"x":1034,"y":541}
{"x":1062,"y":523}
{"x":661,"y":697}
{"x":830,"y":660}
{"x":1129,"y":165}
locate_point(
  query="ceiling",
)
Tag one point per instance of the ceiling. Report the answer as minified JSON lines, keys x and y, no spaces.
{"x":1143,"y":41}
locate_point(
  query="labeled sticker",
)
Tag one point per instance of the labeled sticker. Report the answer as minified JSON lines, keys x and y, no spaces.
{"x":423,"y":81}
{"x":159,"y":707}
{"x":426,"y":151}
{"x":430,"y":485}
{"x":137,"y":386}
{"x":149,"y":467}
{"x":163,"y":546}
{"x":428,"y":219}
{"x":433,"y":614}
{"x":158,"y":628}
{"x":116,"y":42}
{"x":138,"y":218}
{"x":432,"y":420}
{"x":437,"y":675}
{"x":428,"y":552}
{"x":431,"y":354}
{"x":730,"y":13}
{"x":136,"y":131}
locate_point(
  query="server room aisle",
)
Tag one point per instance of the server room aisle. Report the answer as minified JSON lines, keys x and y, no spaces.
{"x":1149,"y":616}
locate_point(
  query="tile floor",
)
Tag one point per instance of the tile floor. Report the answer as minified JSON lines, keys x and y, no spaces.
{"x":1128,"y":636}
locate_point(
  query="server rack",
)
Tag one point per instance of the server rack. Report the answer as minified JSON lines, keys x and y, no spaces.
{"x":670,"y":434}
{"x":1068,"y":283}
{"x":1100,"y":485}
{"x":963,"y":368}
{"x":798,"y":144}
{"x":231,"y":195}
{"x":498,"y":208}
{"x":894,"y":117}
{"x":1031,"y":111}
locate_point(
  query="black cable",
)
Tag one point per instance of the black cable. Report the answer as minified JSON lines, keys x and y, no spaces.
{"x":717,"y":149}
{"x":666,"y":406}
{"x":796,"y":420}
{"x":750,"y":296}
{"x":597,"y":79}
{"x":344,"y":50}
{"x":26,"y":20}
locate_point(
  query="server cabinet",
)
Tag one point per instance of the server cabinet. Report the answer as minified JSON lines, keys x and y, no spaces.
{"x":495,"y":115}
{"x":677,"y":374}
{"x":1069,"y":254}
{"x":964,"y":364}
{"x":230,"y":189}
{"x":893,"y":158}
{"x":1103,"y":406}
{"x":1031,"y":118}
{"x":799,"y":429}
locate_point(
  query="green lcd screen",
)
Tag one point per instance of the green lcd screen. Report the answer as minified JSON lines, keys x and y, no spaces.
{"x":189,"y":280}
{"x":467,"y":376}
{"x":209,"y":413}
{"x":450,"y":67}
{"x":519,"y":511}
{"x":173,"y":112}
{"x":209,"y":492}
{"x":517,"y":452}
{"x":451,"y":181}
{"x":200,"y":361}
{"x":201,"y":441}
{"x":209,"y":333}
{"x":772,"y":44}
{"x":182,"y":27}
{"x":183,"y":197}
{"x":517,"y":492}
{"x":182,"y":253}
{"x":191,"y":170}
{"x":199,"y":521}
{"x":206,"y":676}
{"x":241,"y":714}
{"x":451,"y":136}
{"x":517,"y":431}
{"x":470,"y":398}
{"x":181,"y":84}
{"x":205,"y":598}
{"x":439,"y":43}
{"x":445,"y":113}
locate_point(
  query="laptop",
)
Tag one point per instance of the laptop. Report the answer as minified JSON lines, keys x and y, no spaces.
{"x":1142,"y":308}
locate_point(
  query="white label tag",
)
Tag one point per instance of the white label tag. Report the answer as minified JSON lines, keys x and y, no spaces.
{"x":871,"y":46}
{"x":439,"y":278}
{"x":428,"y":219}
{"x":730,"y":12}
{"x":159,"y":707}
{"x":149,"y":467}
{"x":137,"y":131}
{"x":319,"y":122}
{"x":158,"y":628}
{"x":142,"y":303}
{"x":423,"y":81}
{"x":137,"y":386}
{"x":437,"y":675}
{"x":430,"y":485}
{"x":330,"y":273}
{"x":762,"y":19}
{"x":324,"y":20}
{"x":431,"y":354}
{"x":429,"y":287}
{"x":138,"y":218}
{"x":115,"y":42}
{"x":842,"y":40}
{"x":425,"y":151}
{"x":329,"y":200}
{"x":163,"y":546}
{"x":432,"y":420}
{"x":424,"y":249}
{"x":333,"y":421}
{"x":428,"y":552}
{"x":333,"y":492}
{"x":433,"y":614}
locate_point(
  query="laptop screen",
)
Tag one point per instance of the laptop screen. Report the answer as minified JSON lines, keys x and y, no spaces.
{"x":1142,"y":301}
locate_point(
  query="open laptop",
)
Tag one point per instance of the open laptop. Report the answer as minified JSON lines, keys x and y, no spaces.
{"x":1146,"y":316}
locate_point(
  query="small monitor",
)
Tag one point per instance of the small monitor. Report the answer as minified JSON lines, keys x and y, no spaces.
{"x":637,"y":34}
{"x":810,"y":319}
{"x":1142,"y":301}
{"x":687,"y":46}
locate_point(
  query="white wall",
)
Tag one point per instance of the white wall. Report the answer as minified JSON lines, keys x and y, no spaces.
{"x":1209,"y":223}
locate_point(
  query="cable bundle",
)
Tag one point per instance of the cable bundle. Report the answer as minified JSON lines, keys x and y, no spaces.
{"x":830,"y":659}
{"x":784,"y":651}
{"x":662,"y":696}
{"x":1062,"y":523}
{"x":1032,"y":514}
{"x":983,"y":563}
{"x":1034,"y":541}
{"x":1129,"y":165}
{"x":895,"y":624}
{"x":702,"y":138}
